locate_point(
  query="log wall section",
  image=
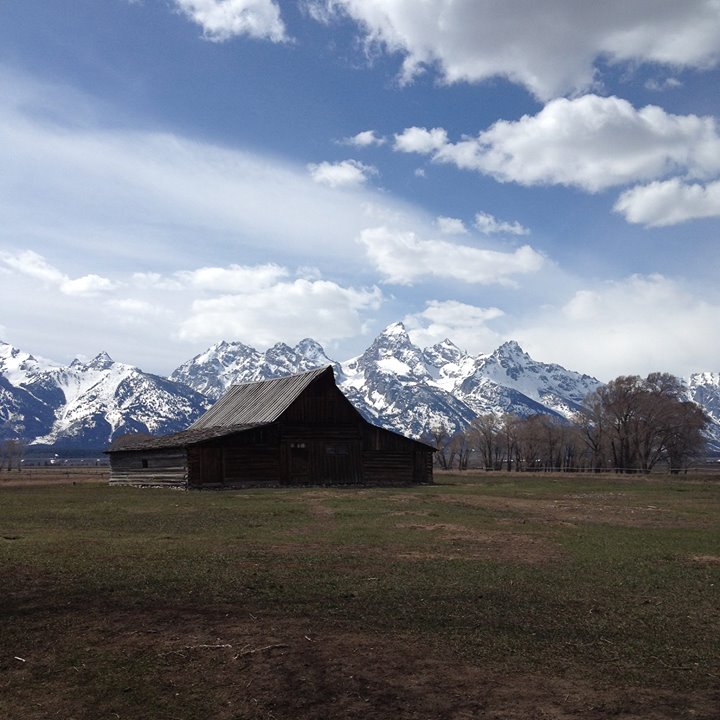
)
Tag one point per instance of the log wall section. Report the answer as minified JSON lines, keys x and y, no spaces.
{"x":150,"y":468}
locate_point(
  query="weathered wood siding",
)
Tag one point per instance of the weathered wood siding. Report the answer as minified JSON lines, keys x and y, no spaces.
{"x":245,"y":459}
{"x":156,"y":468}
{"x":391,"y":459}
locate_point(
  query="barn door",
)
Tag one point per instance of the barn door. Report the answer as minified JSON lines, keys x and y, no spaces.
{"x":299,"y":461}
{"x":211,"y":466}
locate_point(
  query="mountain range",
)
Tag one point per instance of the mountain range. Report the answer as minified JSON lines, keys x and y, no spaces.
{"x":394,"y":383}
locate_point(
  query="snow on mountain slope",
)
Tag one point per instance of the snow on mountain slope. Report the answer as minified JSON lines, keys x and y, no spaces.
{"x":230,"y":363}
{"x":704,"y":389}
{"x":521,"y":385}
{"x":104,"y":399}
{"x":87,"y":404}
{"x":393,"y":383}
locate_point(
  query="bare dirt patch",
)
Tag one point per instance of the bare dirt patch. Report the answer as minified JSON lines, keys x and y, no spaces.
{"x":609,"y":508}
{"x":229,"y":664}
{"x":462,"y":542}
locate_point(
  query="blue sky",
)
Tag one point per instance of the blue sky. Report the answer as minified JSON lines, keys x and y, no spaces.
{"x":179,"y":172}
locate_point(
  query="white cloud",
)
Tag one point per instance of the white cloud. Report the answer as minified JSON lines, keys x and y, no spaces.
{"x":590,"y":142}
{"x":636,"y":325}
{"x":225,"y":19}
{"x":30,"y":263}
{"x":420,"y":140}
{"x":87,"y":285}
{"x":234,"y":278}
{"x":549,"y":47}
{"x":450,"y":225}
{"x":159,"y":201}
{"x":489,"y":225}
{"x":158,"y":320}
{"x":465,"y":325}
{"x":366,"y":138}
{"x":656,"y":85}
{"x":403,"y":258}
{"x":669,"y":202}
{"x":285,"y":311}
{"x":347,"y":173}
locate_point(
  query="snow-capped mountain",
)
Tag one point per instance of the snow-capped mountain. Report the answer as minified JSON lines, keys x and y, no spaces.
{"x":393,"y":383}
{"x":88,"y":404}
{"x":229,"y":363}
{"x":704,"y":389}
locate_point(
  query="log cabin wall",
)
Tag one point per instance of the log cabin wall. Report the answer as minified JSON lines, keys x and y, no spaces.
{"x":150,"y":468}
{"x":391,"y":459}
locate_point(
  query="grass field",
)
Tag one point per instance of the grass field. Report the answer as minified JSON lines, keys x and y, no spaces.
{"x":488,"y":596}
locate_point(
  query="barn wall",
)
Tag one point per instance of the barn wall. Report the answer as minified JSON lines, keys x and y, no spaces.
{"x":250,"y":458}
{"x":322,"y":404}
{"x":321,"y":456}
{"x":391,"y":459}
{"x":160,"y":468}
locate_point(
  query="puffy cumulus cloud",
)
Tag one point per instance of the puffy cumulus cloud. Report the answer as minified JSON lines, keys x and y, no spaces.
{"x":590,"y":142}
{"x":633,"y":326}
{"x":420,"y":140}
{"x":225,"y":19}
{"x":346,"y":173}
{"x":549,"y":47}
{"x":366,"y":138}
{"x":465,"y":325}
{"x":285,"y":311}
{"x":669,"y":202}
{"x":234,"y":278}
{"x":403,"y":258}
{"x":34,"y":265}
{"x":490,"y":225}
{"x":450,"y":225}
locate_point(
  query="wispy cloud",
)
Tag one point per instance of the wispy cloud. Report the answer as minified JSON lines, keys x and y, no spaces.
{"x":490,"y":225}
{"x":450,"y":225}
{"x":404,"y":258}
{"x":35,"y":266}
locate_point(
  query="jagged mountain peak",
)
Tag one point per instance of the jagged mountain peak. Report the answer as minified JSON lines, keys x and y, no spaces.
{"x":711,"y":379}
{"x":393,"y":383}
{"x":443,"y":353}
{"x":102,"y":361}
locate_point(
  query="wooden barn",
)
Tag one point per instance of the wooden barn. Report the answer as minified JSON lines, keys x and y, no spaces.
{"x":294,"y":430}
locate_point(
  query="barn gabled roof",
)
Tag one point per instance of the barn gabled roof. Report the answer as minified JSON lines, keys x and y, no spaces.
{"x":179,"y":439}
{"x":258,"y":402}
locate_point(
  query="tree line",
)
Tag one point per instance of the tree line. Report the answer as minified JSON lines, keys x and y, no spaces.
{"x":630,"y":425}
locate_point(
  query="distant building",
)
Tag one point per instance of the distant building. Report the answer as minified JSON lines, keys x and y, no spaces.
{"x":294,"y":430}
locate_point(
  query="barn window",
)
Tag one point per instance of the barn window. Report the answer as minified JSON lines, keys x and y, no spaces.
{"x":144,"y":463}
{"x":337,"y":449}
